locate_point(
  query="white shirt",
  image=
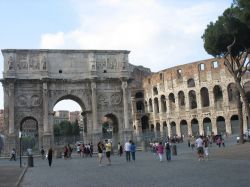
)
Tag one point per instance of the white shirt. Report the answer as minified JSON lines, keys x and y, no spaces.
{"x":199,"y":142}
{"x":127,"y":146}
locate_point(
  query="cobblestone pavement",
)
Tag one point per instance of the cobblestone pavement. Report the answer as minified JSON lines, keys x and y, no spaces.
{"x":183,"y":170}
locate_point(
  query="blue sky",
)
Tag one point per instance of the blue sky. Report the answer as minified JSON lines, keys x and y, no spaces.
{"x":159,"y":33}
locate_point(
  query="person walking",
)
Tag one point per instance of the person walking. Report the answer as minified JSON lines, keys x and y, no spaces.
{"x":42,"y":153}
{"x":168,"y":151}
{"x":160,"y":150}
{"x":127,"y":148}
{"x":200,"y":150}
{"x":133,"y":150}
{"x":50,"y":155}
{"x":206,"y":143}
{"x":120,"y":149}
{"x":100,"y":147}
{"x":13,"y":155}
{"x":108,"y":148}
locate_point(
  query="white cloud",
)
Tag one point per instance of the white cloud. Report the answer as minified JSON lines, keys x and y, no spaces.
{"x":159,"y":35}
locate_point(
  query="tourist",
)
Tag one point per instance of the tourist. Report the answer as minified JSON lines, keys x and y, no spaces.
{"x":200,"y":150}
{"x":119,"y":149}
{"x":50,"y":154}
{"x":69,"y":151}
{"x":127,"y":148}
{"x":100,"y":152}
{"x":160,"y":150}
{"x":206,"y":143}
{"x":13,"y":155}
{"x":65,"y":152}
{"x":168,"y":150}
{"x":42,"y":152}
{"x":133,"y":150}
{"x":192,"y":142}
{"x":108,"y":148}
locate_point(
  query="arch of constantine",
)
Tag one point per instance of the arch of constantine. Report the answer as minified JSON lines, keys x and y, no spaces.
{"x":191,"y":99}
{"x":35,"y":80}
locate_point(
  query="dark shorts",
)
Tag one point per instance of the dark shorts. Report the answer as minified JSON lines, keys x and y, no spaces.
{"x":200,"y":150}
{"x":108,"y":154}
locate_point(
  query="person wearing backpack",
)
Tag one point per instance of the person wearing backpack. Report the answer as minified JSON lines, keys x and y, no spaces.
{"x":168,"y":151}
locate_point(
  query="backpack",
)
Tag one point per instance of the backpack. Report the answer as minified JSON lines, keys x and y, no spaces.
{"x":167,"y":146}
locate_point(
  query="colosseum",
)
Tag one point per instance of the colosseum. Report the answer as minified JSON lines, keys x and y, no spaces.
{"x":190,"y":99}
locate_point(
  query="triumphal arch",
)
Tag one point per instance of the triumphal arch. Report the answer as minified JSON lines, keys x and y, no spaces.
{"x":35,"y":80}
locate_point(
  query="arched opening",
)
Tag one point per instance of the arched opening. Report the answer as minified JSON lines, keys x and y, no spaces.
{"x":181,"y":99}
{"x":29,"y":129}
{"x":144,"y":124}
{"x":247,"y":90}
{"x":204,"y":97}
{"x":165,"y":129}
{"x":171,"y":101}
{"x":139,"y":95}
{"x":155,"y":90}
{"x":192,"y":99}
{"x":221,"y":126}
{"x":69,"y":120}
{"x":110,"y":128}
{"x":158,"y":130}
{"x":184,"y":128}
{"x":207,"y":126}
{"x":163,"y":104}
{"x":195,"y":127}
{"x":150,"y":105}
{"x":152,"y":128}
{"x":218,"y":97}
{"x":173,"y":128}
{"x":190,"y":83}
{"x":156,"y":105}
{"x":235,"y":124}
{"x":232,"y":93}
{"x":140,"y":106}
{"x":146,"y":106}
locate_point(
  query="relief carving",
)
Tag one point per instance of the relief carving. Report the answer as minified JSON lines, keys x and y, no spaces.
{"x":43,"y":63}
{"x":115,"y":99}
{"x":103,"y":100}
{"x":34,"y":62}
{"x":22,"y":64}
{"x":22,"y":100}
{"x":35,"y":100}
{"x":11,"y":63}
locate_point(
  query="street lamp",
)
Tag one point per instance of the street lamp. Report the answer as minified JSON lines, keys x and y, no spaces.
{"x":110,"y":130}
{"x":20,"y":137}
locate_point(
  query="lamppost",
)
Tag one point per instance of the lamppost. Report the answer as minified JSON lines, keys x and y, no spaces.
{"x":20,"y":138}
{"x":110,"y":130}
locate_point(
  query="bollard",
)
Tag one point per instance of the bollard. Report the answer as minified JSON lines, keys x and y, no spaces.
{"x":30,"y":161}
{"x":174,"y":150}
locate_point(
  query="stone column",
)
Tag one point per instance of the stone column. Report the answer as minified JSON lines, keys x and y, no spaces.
{"x":47,"y":135}
{"x":11,"y":108}
{"x":127,"y":132}
{"x":211,"y":99}
{"x":94,"y":106}
{"x":45,"y":109}
{"x":125,"y":104}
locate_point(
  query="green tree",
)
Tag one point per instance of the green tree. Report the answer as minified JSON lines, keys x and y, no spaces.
{"x":57,"y":130}
{"x":75,"y":128}
{"x":229,"y":38}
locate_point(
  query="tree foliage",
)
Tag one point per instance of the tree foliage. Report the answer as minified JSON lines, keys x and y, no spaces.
{"x":229,"y":38}
{"x":66,"y":128}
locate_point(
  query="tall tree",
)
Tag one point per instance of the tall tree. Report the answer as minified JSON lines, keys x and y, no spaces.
{"x":229,"y":38}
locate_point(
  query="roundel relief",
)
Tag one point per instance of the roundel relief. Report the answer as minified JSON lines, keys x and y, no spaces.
{"x":22,"y":100}
{"x":115,"y":99}
{"x":35,"y":100}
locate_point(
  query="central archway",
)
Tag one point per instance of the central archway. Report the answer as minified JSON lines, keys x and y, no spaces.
{"x":69,"y":120}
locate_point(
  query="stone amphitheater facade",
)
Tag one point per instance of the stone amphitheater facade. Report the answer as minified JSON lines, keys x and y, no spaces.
{"x":190,"y":99}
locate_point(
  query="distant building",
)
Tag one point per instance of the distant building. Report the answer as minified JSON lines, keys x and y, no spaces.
{"x":61,"y":115}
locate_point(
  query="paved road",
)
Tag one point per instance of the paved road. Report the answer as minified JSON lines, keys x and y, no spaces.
{"x":183,"y":170}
